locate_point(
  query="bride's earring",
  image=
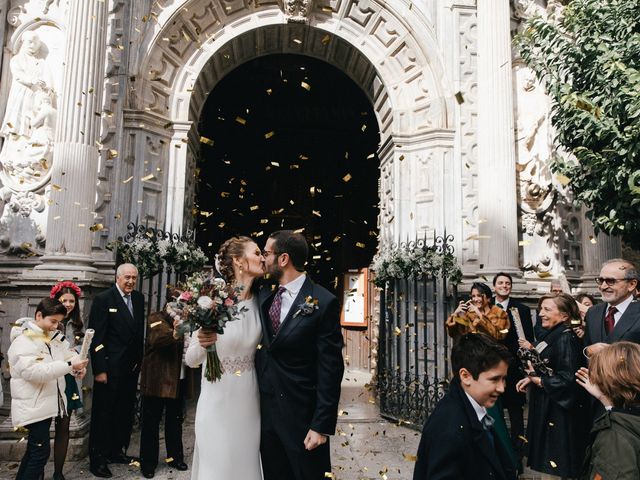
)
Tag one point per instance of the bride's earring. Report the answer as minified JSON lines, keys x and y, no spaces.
{"x":241,"y":269}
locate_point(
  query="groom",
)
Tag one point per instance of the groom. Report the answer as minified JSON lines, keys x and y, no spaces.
{"x":299,"y":365}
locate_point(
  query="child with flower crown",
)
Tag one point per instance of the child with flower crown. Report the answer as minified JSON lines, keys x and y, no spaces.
{"x":67,"y":293}
{"x":39,"y":358}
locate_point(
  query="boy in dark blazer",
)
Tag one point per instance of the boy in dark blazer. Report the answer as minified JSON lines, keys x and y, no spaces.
{"x":458,"y":442}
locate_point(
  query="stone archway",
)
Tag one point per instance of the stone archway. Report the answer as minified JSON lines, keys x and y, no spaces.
{"x":388,"y":50}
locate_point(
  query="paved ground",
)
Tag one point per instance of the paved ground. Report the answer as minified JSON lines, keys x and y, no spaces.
{"x":366,"y":447}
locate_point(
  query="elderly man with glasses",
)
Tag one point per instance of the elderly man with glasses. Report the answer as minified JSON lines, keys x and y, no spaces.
{"x":619,"y":318}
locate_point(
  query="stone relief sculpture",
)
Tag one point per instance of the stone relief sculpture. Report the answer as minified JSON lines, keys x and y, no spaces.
{"x":28,"y":125}
{"x":297,"y":11}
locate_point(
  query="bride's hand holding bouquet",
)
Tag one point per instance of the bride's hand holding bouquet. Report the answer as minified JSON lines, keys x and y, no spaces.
{"x":207,"y":304}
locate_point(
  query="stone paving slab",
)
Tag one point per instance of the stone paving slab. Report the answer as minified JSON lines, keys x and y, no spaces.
{"x":366,"y":447}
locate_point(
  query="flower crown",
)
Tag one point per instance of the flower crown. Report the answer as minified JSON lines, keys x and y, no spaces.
{"x":59,"y":286}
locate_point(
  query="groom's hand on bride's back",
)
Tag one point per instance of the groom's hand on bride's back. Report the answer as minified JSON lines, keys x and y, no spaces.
{"x":314,"y":439}
{"x":207,"y":338}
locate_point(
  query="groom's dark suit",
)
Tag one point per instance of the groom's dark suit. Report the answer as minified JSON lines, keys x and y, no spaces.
{"x":299,"y":372}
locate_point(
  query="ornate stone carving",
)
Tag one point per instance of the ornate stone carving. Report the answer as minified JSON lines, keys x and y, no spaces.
{"x":28,"y":125}
{"x":297,"y":11}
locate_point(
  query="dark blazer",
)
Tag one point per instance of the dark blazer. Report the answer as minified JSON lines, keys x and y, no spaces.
{"x":301,"y":367}
{"x":510,"y":396}
{"x":120,"y":334}
{"x":627,"y":328}
{"x":454,"y":445}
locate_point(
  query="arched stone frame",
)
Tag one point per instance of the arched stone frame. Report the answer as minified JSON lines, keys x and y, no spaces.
{"x":390,"y":51}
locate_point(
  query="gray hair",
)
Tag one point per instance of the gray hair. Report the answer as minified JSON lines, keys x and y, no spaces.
{"x":123,"y":266}
{"x":630,"y":270}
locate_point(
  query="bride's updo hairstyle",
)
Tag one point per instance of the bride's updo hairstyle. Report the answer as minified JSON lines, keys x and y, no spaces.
{"x":232,"y":248}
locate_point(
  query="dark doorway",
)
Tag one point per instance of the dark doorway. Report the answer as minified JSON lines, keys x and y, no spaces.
{"x":289,"y":141}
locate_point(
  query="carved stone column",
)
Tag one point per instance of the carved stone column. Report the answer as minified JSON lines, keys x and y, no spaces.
{"x":75,"y":170}
{"x":498,"y":226}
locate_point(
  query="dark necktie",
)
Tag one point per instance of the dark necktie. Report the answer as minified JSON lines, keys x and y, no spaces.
{"x":500,"y":305}
{"x":609,"y":321}
{"x":127,"y":300}
{"x":275,"y":309}
{"x":487,"y":425}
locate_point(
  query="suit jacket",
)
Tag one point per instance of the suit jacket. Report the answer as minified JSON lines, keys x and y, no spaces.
{"x":511,"y":397}
{"x":627,"y":328}
{"x":454,"y":446}
{"x":120,"y":334}
{"x":300,"y":368}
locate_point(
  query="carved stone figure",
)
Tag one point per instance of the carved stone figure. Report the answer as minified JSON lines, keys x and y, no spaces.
{"x":297,"y":11}
{"x":28,"y":126}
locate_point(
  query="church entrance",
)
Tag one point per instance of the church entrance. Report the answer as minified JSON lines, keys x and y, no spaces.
{"x":290,"y":142}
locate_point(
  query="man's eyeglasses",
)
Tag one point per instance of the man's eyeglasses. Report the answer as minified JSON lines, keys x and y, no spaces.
{"x":610,"y":281}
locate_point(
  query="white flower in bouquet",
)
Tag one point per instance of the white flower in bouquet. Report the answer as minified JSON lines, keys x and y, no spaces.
{"x":205,"y":302}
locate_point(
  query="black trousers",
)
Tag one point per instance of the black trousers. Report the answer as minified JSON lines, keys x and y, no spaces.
{"x":282,"y":452}
{"x":152,"y":408}
{"x":112,"y":417}
{"x":37,"y":453}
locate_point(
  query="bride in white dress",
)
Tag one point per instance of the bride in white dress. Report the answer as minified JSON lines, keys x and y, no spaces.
{"x":227,"y":426}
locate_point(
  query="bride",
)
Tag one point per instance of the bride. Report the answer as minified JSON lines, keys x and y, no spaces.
{"x":227,"y":425}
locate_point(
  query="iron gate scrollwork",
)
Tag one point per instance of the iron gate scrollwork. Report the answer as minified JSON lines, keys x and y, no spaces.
{"x":413,"y":367}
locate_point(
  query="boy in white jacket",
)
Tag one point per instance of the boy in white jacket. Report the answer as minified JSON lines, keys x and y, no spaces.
{"x":39,"y":358}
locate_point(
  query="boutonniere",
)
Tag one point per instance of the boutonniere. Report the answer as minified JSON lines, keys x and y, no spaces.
{"x":307,"y":307}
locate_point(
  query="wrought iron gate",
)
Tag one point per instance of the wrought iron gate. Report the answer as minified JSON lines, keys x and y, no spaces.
{"x":413,"y":366}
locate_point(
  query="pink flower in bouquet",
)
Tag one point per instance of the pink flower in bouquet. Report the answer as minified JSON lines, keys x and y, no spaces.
{"x":228,"y":302}
{"x":185,"y":296}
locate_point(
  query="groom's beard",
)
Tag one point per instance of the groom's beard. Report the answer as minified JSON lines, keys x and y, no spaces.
{"x":274,"y":272}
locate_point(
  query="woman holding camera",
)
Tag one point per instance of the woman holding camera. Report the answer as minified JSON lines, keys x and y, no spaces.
{"x":478,"y":315}
{"x":558,"y":421}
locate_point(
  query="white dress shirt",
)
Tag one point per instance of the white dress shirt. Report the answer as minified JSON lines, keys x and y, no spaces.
{"x":481,"y":412}
{"x":290,"y":294}
{"x":622,"y":307}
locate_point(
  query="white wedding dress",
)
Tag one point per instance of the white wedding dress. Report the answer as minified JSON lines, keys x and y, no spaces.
{"x":227,"y":425}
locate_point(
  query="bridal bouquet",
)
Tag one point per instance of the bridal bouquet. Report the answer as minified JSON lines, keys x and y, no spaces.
{"x":207,"y":303}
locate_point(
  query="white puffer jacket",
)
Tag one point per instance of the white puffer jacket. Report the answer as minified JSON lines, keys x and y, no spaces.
{"x":38,"y":364}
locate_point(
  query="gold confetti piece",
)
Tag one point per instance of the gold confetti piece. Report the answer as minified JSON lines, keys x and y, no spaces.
{"x":298,"y":41}
{"x":269,"y":91}
{"x":459,"y":98}
{"x":303,"y":157}
{"x":478,"y":237}
{"x":134,"y":463}
{"x":316,"y":213}
{"x":327,"y":38}
{"x":259,"y":346}
{"x":128,"y":179}
{"x":592,"y":239}
{"x":346,"y":178}
{"x":253,"y":207}
{"x":111,"y":153}
{"x":523,"y":438}
{"x":409,"y":457}
{"x":317,"y":257}
{"x":81,"y":225}
{"x":269,"y":134}
{"x":99,"y":347}
{"x":360,"y":245}
{"x":342,"y":412}
{"x":364,"y":127}
{"x":327,"y":10}
{"x":300,"y":230}
{"x":237,"y":373}
{"x":75,"y":397}
{"x":207,"y":141}
{"x":155,"y":324}
{"x":275,"y":164}
{"x":169,"y":460}
{"x":56,"y":187}
{"x":370,"y":156}
{"x":563,"y":179}
{"x":148,"y":177}
{"x":397,"y":332}
{"x":524,"y":243}
{"x":44,"y":164}
{"x":224,"y":194}
{"x":241,"y":121}
{"x":504,"y":330}
{"x":96,"y":227}
{"x":553,"y":464}
{"x":306,"y":86}
{"x":113,"y":310}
